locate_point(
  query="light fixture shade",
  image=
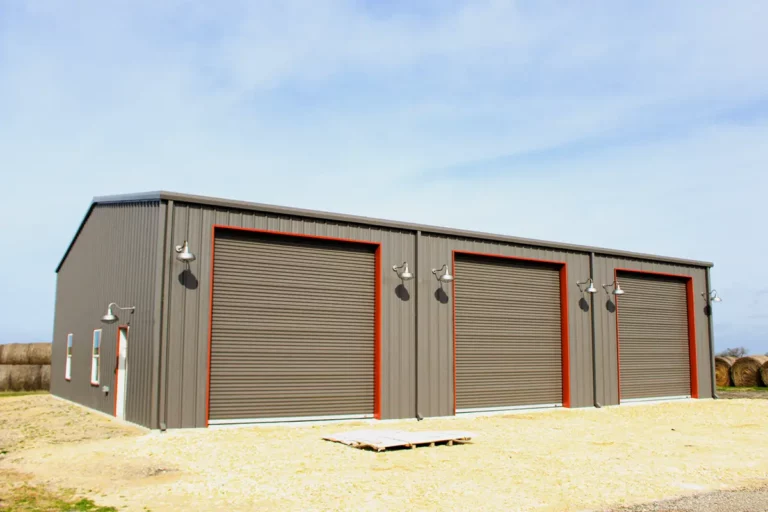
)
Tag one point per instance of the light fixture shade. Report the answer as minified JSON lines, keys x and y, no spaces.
{"x":446,"y":278}
{"x":110,"y":317}
{"x":618,"y":290}
{"x":406,"y":274}
{"x":591,"y":288}
{"x":716,"y":298}
{"x":184,"y":254}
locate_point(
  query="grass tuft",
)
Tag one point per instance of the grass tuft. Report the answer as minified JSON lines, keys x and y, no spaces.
{"x":10,"y":394}
{"x":29,"y":498}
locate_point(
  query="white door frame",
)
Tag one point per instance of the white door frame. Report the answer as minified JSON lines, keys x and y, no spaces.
{"x":121,"y":371}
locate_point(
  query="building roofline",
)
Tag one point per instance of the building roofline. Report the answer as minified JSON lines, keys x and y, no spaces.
{"x":405,"y":226}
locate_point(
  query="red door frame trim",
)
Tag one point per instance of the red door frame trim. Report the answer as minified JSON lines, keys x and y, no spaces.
{"x":117,"y":359}
{"x":564,"y":334}
{"x":691,"y":311}
{"x":376,"y":310}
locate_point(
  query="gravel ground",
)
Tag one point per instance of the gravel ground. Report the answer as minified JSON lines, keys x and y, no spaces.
{"x":581,"y":459}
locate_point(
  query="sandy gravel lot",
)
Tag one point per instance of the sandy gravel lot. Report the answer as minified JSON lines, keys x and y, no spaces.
{"x":591,"y":459}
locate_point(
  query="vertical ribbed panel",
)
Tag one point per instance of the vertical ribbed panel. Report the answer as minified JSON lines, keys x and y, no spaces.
{"x":189,"y":307}
{"x":435,"y":358}
{"x":653,"y":337}
{"x":607,"y":356}
{"x":293,"y":327}
{"x":113,"y":259}
{"x":508,"y":334}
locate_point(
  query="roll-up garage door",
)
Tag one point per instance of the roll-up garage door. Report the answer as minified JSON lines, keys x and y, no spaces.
{"x":653,"y":337}
{"x":292,"y":329}
{"x":508,"y":334}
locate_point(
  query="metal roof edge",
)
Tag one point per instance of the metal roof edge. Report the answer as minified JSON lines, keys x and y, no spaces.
{"x":114,"y":199}
{"x":282,"y":210}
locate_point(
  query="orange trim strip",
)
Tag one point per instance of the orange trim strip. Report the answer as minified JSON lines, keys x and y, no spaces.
{"x":117,"y":360}
{"x":377,"y":337}
{"x":691,"y":312}
{"x":453,"y":306}
{"x":618,"y":345}
{"x":564,"y":328}
{"x":376,"y":316}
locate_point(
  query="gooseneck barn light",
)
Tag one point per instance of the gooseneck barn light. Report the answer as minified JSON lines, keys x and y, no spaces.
{"x":402,"y":271}
{"x":616,"y":288}
{"x":111,"y":317}
{"x":712,"y":296}
{"x":591,"y":284}
{"x":445,"y":277}
{"x":183,"y":254}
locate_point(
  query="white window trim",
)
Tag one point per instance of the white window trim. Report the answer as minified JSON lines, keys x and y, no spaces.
{"x":95,"y":359}
{"x":70,"y":348}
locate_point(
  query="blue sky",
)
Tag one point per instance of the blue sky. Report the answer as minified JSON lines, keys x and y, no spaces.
{"x":632,"y":125}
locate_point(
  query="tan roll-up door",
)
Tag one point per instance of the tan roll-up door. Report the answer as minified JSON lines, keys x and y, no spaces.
{"x":292,"y":328}
{"x":653,"y":337}
{"x":508,"y":334}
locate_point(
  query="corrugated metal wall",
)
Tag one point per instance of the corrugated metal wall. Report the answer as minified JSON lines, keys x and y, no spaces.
{"x":188,"y":305}
{"x":605,"y":322}
{"x":435,"y":351}
{"x":113,"y":259}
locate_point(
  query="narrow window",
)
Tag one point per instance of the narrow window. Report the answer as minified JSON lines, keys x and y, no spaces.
{"x":95,"y":357}
{"x":68,"y":370}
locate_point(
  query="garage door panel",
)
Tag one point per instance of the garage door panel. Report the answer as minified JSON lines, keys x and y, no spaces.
{"x":292,"y":328}
{"x":508,"y":333}
{"x":654,"y":360}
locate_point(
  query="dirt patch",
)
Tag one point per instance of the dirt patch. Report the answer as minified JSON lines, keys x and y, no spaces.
{"x":580,"y":459}
{"x":32,"y":421}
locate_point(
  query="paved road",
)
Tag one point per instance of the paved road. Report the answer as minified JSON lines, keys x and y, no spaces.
{"x":746,"y":500}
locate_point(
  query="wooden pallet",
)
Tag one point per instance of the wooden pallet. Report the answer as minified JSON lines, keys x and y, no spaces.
{"x":380,"y":440}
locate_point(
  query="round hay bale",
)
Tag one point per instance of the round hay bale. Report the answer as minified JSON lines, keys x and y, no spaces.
{"x":25,"y":377}
{"x":745,"y":372}
{"x":723,"y":371}
{"x":5,"y":377}
{"x":15,"y":353}
{"x":45,"y":377}
{"x":764,"y":373}
{"x":39,"y":353}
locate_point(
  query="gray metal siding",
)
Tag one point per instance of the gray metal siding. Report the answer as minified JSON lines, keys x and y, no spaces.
{"x":113,"y":259}
{"x":435,"y":350}
{"x":653,"y":337}
{"x":605,"y":312}
{"x":293,"y":327}
{"x":508,"y":333}
{"x":188,"y":307}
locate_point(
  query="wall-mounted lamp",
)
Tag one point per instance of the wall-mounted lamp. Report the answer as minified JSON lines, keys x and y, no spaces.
{"x":616,"y":288}
{"x":402,"y":271}
{"x":183,"y":254}
{"x":111,"y":317}
{"x":445,"y":277}
{"x":712,"y":296}
{"x":591,"y":284}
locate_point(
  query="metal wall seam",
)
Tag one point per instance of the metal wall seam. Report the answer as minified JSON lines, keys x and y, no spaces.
{"x":710,"y":332}
{"x":165,"y":329}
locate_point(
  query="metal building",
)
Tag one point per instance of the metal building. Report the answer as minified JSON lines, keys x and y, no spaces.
{"x":230,"y":312}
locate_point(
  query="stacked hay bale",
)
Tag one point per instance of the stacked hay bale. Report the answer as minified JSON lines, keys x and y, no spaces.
{"x":25,"y":367}
{"x":723,"y":371}
{"x":764,"y":373}
{"x":746,"y":371}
